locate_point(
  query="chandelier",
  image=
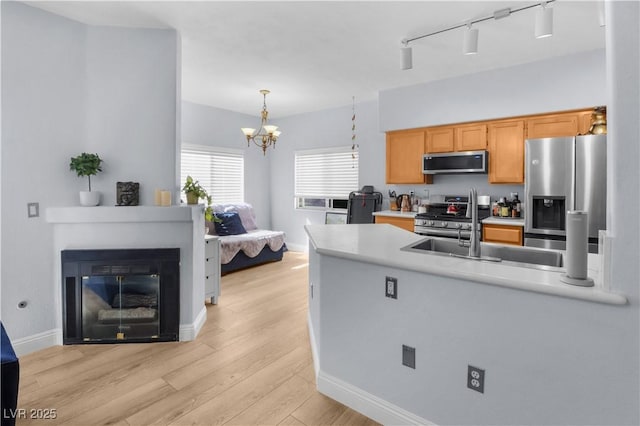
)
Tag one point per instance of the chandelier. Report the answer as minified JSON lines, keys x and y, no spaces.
{"x":266,"y":134}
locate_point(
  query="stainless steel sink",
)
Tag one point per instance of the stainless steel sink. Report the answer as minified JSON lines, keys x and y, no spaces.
{"x":527,"y":257}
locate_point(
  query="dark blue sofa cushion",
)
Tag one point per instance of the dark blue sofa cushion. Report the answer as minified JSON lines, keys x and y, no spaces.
{"x":230,"y":224}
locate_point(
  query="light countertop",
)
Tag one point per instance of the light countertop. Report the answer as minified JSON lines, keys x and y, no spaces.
{"x":396,"y":213}
{"x":516,"y":221}
{"x":381,"y":243}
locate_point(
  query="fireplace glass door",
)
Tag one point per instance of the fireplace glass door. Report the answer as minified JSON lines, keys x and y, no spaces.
{"x":120,"y":307}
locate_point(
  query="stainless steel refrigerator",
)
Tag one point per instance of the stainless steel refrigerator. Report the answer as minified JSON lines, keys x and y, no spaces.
{"x":562,"y":174}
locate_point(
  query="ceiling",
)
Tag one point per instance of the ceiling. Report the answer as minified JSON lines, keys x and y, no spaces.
{"x":314,"y":55}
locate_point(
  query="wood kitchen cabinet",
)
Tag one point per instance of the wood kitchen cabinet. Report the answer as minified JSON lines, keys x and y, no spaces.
{"x":400,"y":222}
{"x":506,"y":151}
{"x":584,"y":122}
{"x":470,"y":137}
{"x":557,"y":125}
{"x":464,"y":137}
{"x":404,"y":157}
{"x":502,"y":234}
{"x":440,"y":139}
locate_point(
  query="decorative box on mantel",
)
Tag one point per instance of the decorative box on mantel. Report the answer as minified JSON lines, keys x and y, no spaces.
{"x":137,"y":227}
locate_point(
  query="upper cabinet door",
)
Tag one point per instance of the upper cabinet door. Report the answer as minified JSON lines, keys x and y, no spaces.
{"x":506,"y":151}
{"x":550,"y":126}
{"x":472,"y":137}
{"x":440,"y":139}
{"x":584,"y":122}
{"x":404,"y":157}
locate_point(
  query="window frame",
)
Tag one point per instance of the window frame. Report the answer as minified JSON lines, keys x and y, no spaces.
{"x":330,"y":201}
{"x":221,"y":152}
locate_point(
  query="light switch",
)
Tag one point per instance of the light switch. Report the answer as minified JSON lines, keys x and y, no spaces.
{"x":33,"y":209}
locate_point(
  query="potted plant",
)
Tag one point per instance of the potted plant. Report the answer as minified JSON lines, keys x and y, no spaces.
{"x":87,"y":165}
{"x":194,"y":192}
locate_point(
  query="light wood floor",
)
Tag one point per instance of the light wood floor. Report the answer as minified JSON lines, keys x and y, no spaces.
{"x":251,"y":364}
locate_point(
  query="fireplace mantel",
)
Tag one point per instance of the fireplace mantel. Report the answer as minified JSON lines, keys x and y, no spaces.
{"x":138,"y":227}
{"x":114,"y":214}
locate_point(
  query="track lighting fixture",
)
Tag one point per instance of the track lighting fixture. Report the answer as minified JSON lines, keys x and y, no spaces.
{"x":544,"y":21}
{"x":406,"y":57}
{"x":470,"y":45}
{"x":543,"y":28}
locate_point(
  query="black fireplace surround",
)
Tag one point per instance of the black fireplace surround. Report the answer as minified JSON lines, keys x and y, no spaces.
{"x":120,"y":295}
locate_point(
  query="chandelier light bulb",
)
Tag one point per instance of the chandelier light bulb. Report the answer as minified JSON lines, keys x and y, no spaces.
{"x":267,"y":134}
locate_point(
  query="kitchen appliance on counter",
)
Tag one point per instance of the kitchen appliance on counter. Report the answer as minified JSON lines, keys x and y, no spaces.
{"x":563,"y":174}
{"x":446,"y":216}
{"x":456,"y":162}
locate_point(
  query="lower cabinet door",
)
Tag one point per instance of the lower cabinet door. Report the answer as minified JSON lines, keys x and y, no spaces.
{"x":400,"y":222}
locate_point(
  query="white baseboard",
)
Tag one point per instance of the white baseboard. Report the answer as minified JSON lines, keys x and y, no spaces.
{"x":36,"y":342}
{"x":189,"y":332}
{"x":297,"y":247}
{"x":365,"y":403}
{"x":46,"y":339}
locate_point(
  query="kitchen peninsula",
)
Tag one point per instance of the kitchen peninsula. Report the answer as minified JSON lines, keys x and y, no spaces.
{"x":534,"y":336}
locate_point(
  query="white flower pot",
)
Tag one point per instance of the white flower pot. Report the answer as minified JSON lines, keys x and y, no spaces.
{"x":89,"y":198}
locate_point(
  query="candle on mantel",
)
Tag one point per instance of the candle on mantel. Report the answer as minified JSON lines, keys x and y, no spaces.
{"x":166,"y":198}
{"x":158,"y":197}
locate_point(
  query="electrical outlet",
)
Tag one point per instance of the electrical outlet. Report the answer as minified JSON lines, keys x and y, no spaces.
{"x":409,"y":356}
{"x":391,"y":287}
{"x":475,"y":378}
{"x":33,"y":209}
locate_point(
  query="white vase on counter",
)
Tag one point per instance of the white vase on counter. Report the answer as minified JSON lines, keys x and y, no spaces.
{"x":89,"y":198}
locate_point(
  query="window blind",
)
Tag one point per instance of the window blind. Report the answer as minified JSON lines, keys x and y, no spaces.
{"x":327,"y":173}
{"x":221,"y":173}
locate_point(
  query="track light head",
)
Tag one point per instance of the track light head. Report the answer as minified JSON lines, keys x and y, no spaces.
{"x":544,"y":21}
{"x":406,"y":56}
{"x":470,"y":44}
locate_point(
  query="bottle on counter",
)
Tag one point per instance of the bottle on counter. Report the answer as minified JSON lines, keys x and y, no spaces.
{"x":517,"y":206}
{"x":495,"y":210}
{"x":504,"y":207}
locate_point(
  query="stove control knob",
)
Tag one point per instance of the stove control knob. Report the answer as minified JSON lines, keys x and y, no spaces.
{"x":430,"y":223}
{"x":468,"y":227}
{"x":458,"y":226}
{"x":444,"y":224}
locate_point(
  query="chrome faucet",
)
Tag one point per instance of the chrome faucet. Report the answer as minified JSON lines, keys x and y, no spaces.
{"x":472,"y":212}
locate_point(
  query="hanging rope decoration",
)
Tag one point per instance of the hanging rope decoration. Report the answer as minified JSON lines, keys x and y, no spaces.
{"x":354,"y":145}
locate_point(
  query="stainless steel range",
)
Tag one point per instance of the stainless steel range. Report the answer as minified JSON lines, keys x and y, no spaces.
{"x":446,"y":216}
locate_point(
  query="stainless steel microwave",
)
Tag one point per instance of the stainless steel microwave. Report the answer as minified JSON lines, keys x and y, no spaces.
{"x":456,"y":162}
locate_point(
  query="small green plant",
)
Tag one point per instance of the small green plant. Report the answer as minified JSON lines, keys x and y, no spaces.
{"x":86,"y":165}
{"x":195,"y":192}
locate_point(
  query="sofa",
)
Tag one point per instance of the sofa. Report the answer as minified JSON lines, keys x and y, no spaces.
{"x":242,"y":244}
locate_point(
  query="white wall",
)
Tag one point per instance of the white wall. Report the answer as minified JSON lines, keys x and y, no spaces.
{"x":209,"y":126}
{"x":43,"y":125}
{"x":569,"y":85}
{"x":563,"y":83}
{"x":623,"y":154}
{"x":69,"y":88}
{"x":131,"y":108}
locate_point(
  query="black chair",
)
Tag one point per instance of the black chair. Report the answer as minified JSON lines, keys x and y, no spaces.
{"x":362,"y":204}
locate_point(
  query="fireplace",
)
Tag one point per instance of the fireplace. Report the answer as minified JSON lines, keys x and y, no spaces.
{"x":120,"y":295}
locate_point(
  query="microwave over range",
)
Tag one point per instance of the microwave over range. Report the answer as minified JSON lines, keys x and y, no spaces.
{"x":456,"y":162}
